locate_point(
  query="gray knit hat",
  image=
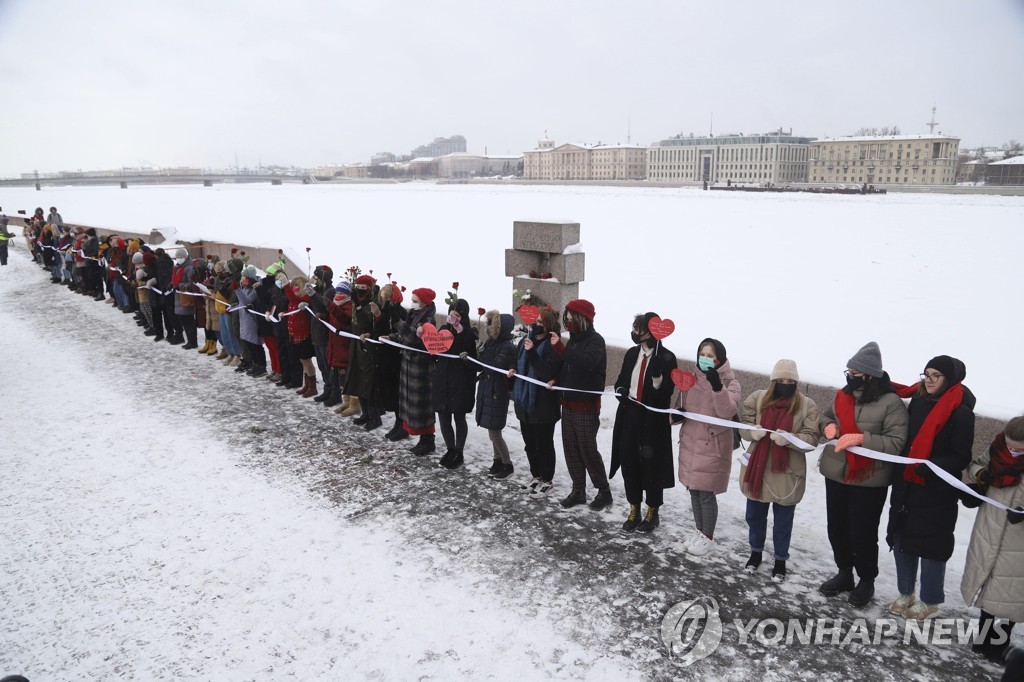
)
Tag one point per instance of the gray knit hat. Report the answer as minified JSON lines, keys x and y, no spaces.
{"x":868,"y":360}
{"x":785,"y":369}
{"x":181,"y":252}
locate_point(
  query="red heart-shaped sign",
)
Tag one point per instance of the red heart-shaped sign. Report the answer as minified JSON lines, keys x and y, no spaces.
{"x":436,"y":340}
{"x":661,"y":328}
{"x":529,"y":314}
{"x":684,"y":381}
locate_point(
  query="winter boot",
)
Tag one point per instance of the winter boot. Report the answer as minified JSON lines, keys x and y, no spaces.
{"x":650,"y":522}
{"x":334,"y":399}
{"x":505,"y":471}
{"x":455,"y":461}
{"x":373,"y":424}
{"x":223,"y":355}
{"x":397,"y":432}
{"x":205,"y":347}
{"x":779,"y":571}
{"x":310,"y":390}
{"x":863,"y":593}
{"x":425,"y":445}
{"x":633,"y":520}
{"x":258,"y":371}
{"x":345,"y":400}
{"x":495,"y":468}
{"x":322,"y":398}
{"x":353,"y":407}
{"x":575,"y":497}
{"x":602,"y":499}
{"x":753,"y":562}
{"x":840,"y":582}
{"x":362,"y":419}
{"x":243,"y":366}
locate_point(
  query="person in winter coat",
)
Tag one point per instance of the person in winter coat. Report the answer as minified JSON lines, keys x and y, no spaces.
{"x":993,"y":577}
{"x":642,"y":439}
{"x":254,"y":362}
{"x":866,"y":412}
{"x":705,"y":450}
{"x":319,"y":301}
{"x":181,"y":281}
{"x":537,"y":409}
{"x":339,"y":315}
{"x":299,"y":331}
{"x":222,"y":296}
{"x":386,"y":315}
{"x":285,"y":368}
{"x":774,"y":472}
{"x":162,"y":297}
{"x":414,"y":394}
{"x":923,"y":507}
{"x":92,"y":275}
{"x":5,"y":238}
{"x":580,"y":364}
{"x":492,"y":392}
{"x":453,"y":384}
{"x":363,"y":365}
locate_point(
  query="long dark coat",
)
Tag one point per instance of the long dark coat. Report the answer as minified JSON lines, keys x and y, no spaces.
{"x":362,"y":366}
{"x":492,"y":392}
{"x":389,"y":358}
{"x":415,"y":407}
{"x":922,"y":518}
{"x":636,"y":427}
{"x":454,"y":381}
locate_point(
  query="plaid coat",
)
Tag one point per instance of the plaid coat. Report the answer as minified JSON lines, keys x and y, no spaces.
{"x":414,"y":394}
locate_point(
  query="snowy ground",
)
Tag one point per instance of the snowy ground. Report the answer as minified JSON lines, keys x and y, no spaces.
{"x":804,"y":276}
{"x":164,"y":518}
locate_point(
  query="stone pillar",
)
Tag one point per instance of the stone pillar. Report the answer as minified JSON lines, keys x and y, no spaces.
{"x":545,"y":259}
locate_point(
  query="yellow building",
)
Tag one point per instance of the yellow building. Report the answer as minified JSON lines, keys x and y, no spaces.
{"x":584,"y":162}
{"x":884,"y":160}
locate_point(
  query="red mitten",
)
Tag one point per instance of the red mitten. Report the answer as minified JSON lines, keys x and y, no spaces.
{"x":848,"y":440}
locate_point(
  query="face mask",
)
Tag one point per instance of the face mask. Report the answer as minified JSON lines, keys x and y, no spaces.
{"x":635,"y":338}
{"x":338,"y":300}
{"x":453,"y":319}
{"x":280,"y":284}
{"x":416,"y":305}
{"x":705,"y":364}
{"x":855,"y":383}
{"x":537,"y":332}
{"x":785,"y":390}
{"x":179,"y":261}
{"x":362,"y":293}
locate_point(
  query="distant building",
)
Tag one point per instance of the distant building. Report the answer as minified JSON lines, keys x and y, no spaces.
{"x":584,"y":162}
{"x":382,"y":157}
{"x":440,"y":146}
{"x":462,"y":165}
{"x":1006,"y":172}
{"x":776,"y":157}
{"x":355,"y":170}
{"x":884,"y":160}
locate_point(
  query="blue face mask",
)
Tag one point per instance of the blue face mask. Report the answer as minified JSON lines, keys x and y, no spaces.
{"x":280,"y":284}
{"x":705,"y":363}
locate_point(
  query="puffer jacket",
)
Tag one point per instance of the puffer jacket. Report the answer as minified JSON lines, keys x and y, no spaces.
{"x":994,"y":574}
{"x":785,"y":487}
{"x":884,"y":425}
{"x":492,"y":396}
{"x":705,"y":451}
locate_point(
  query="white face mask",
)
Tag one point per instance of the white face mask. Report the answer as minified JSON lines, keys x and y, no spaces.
{"x":179,"y":261}
{"x":280,"y":284}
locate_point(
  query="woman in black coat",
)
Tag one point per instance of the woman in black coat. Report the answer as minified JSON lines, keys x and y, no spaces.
{"x":453,"y":384}
{"x":492,"y":393}
{"x":923,"y":507}
{"x":642,"y":439}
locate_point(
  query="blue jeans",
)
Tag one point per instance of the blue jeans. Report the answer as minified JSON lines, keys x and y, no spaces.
{"x":933,"y":576}
{"x":228,"y":339}
{"x":782,"y":529}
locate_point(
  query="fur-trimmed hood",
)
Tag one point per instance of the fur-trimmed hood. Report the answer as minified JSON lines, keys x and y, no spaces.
{"x":498,"y":326}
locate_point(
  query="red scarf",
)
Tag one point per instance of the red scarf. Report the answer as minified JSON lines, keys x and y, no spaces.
{"x":774,"y":416}
{"x":858,"y":468}
{"x":177,"y":275}
{"x":1004,"y":469}
{"x":924,"y":441}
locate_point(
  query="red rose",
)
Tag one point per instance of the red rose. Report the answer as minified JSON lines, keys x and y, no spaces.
{"x":455,"y":285}
{"x":481,"y":311}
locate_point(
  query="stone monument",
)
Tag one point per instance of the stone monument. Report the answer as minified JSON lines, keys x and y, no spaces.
{"x":546,"y":260}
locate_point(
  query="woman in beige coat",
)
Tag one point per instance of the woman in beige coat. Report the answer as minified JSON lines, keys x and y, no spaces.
{"x":994,"y":575}
{"x":774,"y":471}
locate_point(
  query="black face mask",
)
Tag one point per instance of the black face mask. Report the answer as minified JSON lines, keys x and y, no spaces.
{"x":785,"y":390}
{"x":361,"y":294}
{"x":537,"y":332}
{"x":635,"y":338}
{"x":855,"y":383}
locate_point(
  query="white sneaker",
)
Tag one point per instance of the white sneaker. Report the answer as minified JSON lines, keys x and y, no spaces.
{"x":543,"y":490}
{"x":700,"y":545}
{"x":691,"y":535}
{"x":902,"y":603}
{"x":531,"y":486}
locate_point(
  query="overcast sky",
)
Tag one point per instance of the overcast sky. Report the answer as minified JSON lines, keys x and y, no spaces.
{"x":117,"y":83}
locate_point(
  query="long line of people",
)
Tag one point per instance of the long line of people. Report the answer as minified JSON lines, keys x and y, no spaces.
{"x":260,"y":318}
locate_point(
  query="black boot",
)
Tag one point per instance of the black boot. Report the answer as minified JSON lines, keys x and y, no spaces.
{"x":840,"y":582}
{"x":495,"y":468}
{"x":504,"y":472}
{"x":650,"y":522}
{"x":334,"y":399}
{"x":243,"y":366}
{"x":753,"y":562}
{"x":325,"y":396}
{"x":779,"y":571}
{"x":397,"y":432}
{"x":455,"y":461}
{"x":863,"y":593}
{"x":633,"y":520}
{"x":373,"y":424}
{"x":574,"y":498}
{"x":602,"y":499}
{"x":425,"y":445}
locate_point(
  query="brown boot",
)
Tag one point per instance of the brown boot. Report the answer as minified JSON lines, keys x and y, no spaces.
{"x":310,"y":387}
{"x":305,"y":387}
{"x":213,"y":347}
{"x":344,"y":405}
{"x":353,"y":407}
{"x":223,"y":355}
{"x":205,"y":348}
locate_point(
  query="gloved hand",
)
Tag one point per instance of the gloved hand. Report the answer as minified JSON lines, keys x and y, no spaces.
{"x":780,"y":440}
{"x":714,"y":379}
{"x":757,"y":434}
{"x":1015,"y":516}
{"x":302,"y":304}
{"x":655,"y":366}
{"x":831,"y":430}
{"x":984,"y":477}
{"x":849,"y":440}
{"x":309,"y":289}
{"x":266,"y":316}
{"x":419,"y":332}
{"x":465,"y":356}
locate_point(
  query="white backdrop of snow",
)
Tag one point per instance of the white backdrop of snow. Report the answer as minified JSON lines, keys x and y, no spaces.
{"x":808,"y":277}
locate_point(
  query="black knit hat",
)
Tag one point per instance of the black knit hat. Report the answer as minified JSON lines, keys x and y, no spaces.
{"x":951,"y":368}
